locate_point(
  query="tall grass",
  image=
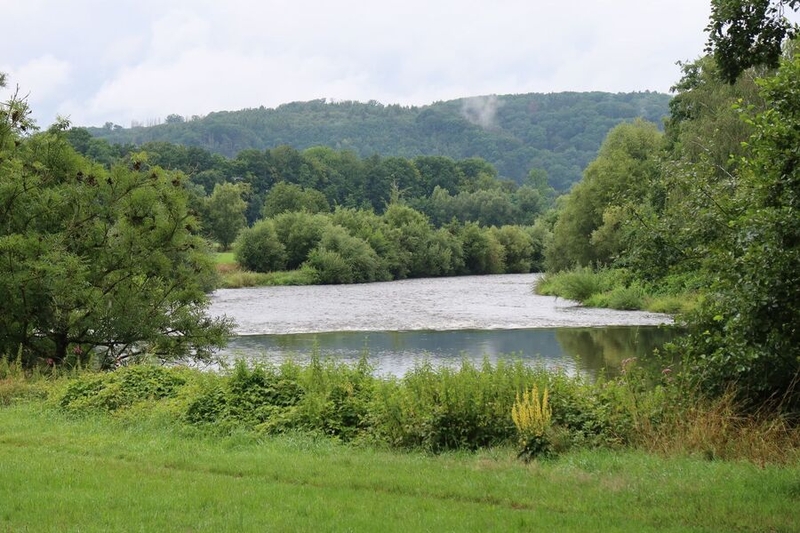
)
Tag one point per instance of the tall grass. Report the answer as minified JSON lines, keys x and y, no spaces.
{"x":717,"y":429}
{"x":616,"y":289}
{"x":233,"y":277}
{"x":434,"y":409}
{"x":431,"y":408}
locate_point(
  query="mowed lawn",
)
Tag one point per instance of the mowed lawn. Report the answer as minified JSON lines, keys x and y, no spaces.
{"x":61,"y":473}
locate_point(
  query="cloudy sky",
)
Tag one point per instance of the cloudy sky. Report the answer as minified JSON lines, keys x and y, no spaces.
{"x":98,"y":61}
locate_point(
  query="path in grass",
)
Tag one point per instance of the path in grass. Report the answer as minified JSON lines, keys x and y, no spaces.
{"x":96,"y":474}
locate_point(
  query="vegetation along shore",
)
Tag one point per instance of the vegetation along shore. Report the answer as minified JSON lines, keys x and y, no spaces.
{"x":110,"y":246}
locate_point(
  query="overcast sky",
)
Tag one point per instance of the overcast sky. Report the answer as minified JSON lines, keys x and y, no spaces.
{"x":98,"y":61}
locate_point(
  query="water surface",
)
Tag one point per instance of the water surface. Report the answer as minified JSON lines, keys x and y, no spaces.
{"x":444,"y":320}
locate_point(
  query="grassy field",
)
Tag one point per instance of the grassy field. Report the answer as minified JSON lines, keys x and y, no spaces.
{"x":233,"y":277}
{"x":100,"y":473}
{"x":224,"y":258}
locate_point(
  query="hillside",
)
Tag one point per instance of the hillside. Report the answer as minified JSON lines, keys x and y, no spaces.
{"x":558,"y":132}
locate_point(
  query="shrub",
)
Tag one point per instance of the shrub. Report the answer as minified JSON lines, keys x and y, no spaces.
{"x":342,"y":258}
{"x":121,"y":388}
{"x":258,"y":248}
{"x":483,"y":253}
{"x":518,"y":245}
{"x":299,"y":232}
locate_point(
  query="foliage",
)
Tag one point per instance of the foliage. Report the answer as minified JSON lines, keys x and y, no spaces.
{"x":558,"y":133}
{"x":286,"y":196}
{"x":95,"y":260}
{"x":343,"y":258}
{"x":356,"y":245}
{"x":747,"y":33}
{"x":746,"y":334}
{"x":259,"y":249}
{"x":123,"y":388}
{"x":434,"y":409}
{"x":225,"y":210}
{"x":300,"y":232}
{"x":590,"y":228}
{"x":578,"y":284}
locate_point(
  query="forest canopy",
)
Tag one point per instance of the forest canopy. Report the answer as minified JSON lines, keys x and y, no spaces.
{"x":557,"y":132}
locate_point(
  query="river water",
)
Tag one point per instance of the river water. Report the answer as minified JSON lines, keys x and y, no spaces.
{"x":443,"y":320}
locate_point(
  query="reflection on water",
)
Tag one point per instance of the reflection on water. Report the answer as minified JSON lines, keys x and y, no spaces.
{"x":587,"y":351}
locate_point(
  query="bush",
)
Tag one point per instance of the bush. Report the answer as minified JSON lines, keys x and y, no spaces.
{"x":433,"y":409}
{"x":299,"y":232}
{"x":518,"y":245}
{"x":483,"y":253}
{"x":258,"y":248}
{"x":620,"y":297}
{"x":342,"y":258}
{"x":122,"y":388}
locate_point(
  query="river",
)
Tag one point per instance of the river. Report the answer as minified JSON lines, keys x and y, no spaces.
{"x":443,"y":320}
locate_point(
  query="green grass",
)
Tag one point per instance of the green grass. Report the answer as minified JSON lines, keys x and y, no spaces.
{"x":236,"y":278}
{"x":232,"y":276}
{"x":613,"y":288}
{"x":98,"y":473}
{"x":224,"y":258}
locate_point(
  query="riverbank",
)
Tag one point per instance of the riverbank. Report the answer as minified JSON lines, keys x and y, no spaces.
{"x":613,"y":289}
{"x":96,"y":473}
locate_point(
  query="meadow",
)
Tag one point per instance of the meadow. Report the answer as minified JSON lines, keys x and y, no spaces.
{"x":92,"y":473}
{"x":154,"y":449}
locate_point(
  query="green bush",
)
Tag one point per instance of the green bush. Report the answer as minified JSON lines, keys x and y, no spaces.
{"x":483,"y":253}
{"x":431,"y":408}
{"x":122,"y":388}
{"x":299,"y":232}
{"x":518,"y":245}
{"x":620,"y":297}
{"x":342,"y":258}
{"x":259,"y":249}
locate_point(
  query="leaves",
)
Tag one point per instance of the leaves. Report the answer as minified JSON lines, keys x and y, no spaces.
{"x":102,"y":260}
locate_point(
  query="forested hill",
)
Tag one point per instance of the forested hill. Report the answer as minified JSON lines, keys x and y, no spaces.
{"x":558,"y":132}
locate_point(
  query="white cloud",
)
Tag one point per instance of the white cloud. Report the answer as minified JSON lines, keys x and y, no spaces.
{"x":48,"y":74}
{"x":146,"y":59}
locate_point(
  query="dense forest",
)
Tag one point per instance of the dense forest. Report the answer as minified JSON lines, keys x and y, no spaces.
{"x":558,"y":133}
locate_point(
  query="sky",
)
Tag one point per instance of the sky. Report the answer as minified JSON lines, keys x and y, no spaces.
{"x":99,"y":61}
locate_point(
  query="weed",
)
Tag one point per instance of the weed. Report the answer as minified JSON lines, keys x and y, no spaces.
{"x":532,"y":416}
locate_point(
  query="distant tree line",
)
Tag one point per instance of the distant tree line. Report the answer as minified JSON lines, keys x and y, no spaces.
{"x":356,"y":245}
{"x":319,"y":179}
{"x":559,"y":133}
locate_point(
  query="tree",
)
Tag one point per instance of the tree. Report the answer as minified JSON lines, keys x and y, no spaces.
{"x":748,"y":33}
{"x":286,"y":196}
{"x":259,"y":249}
{"x":94,"y":260}
{"x":622,"y":174}
{"x":518,"y":245}
{"x":225,"y":212}
{"x":299,"y":232}
{"x":686,"y":210}
{"x":342,"y":258}
{"x":748,"y":333}
{"x":483,"y":253}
